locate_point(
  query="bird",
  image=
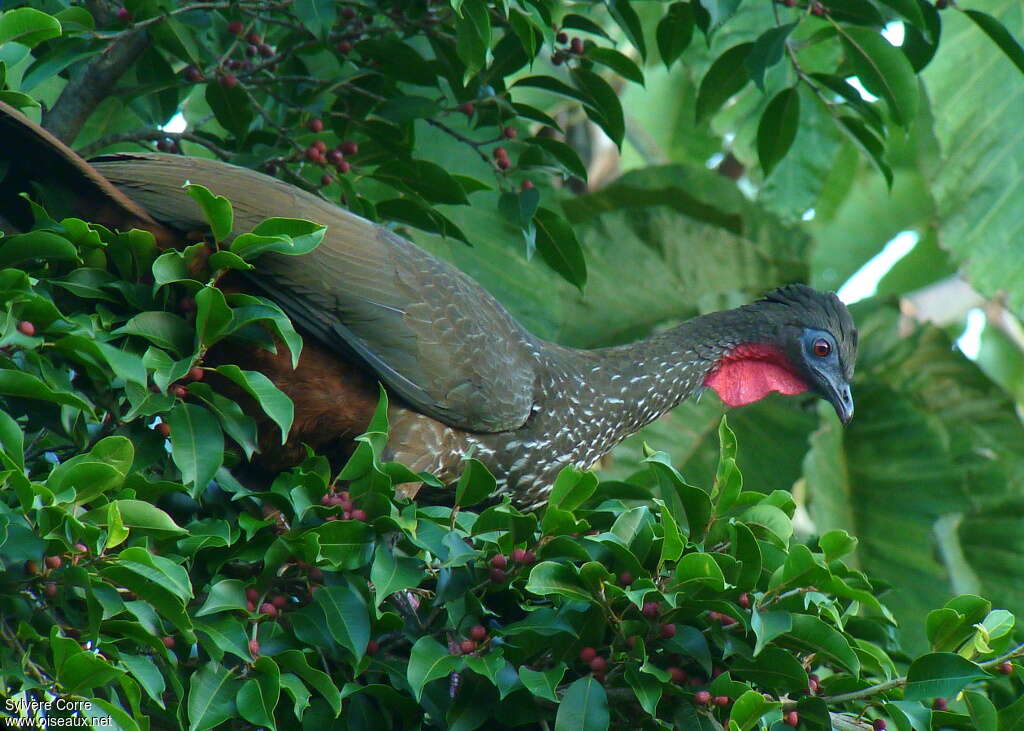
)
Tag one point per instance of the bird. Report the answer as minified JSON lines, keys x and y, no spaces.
{"x":463,"y":377}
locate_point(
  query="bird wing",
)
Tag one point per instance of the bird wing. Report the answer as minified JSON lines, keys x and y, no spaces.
{"x":430,"y":332}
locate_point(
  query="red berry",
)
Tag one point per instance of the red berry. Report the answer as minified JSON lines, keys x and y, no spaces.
{"x":667,"y":631}
{"x":279,"y":601}
{"x":265,"y":50}
{"x":556,"y":59}
{"x":321,"y":147}
{"x":625,"y":578}
{"x":164,"y":428}
{"x":792,"y":718}
{"x":193,"y":74}
{"x":726,"y":620}
{"x":124,"y":15}
{"x":518,"y":555}
{"x":631,"y":642}
{"x":252,"y":594}
{"x":702,"y":697}
{"x":31,"y":568}
{"x":650,"y":609}
{"x":254,"y":38}
{"x":576,"y":45}
{"x":817,"y":9}
{"x":529,"y":558}
{"x":510,"y":133}
{"x":359,"y":515}
{"x":466,"y":108}
{"x":678,"y":676}
{"x":497,"y":575}
{"x":53,"y":562}
{"x":313,"y":154}
{"x":326,"y":179}
{"x":467,"y":647}
{"x":500,"y":153}
{"x":587,"y":654}
{"x":940,"y":704}
{"x":168,"y":642}
{"x":813,"y":684}
{"x":499,"y":561}
{"x":254,"y":648}
{"x":526,"y":185}
{"x":879,"y":724}
{"x":562,"y":37}
{"x":744,"y":600}
{"x":343,"y":47}
{"x":348,"y":13}
{"x":196,"y":373}
{"x":250,"y":606}
{"x":722,"y":701}
{"x":1005,"y":668}
{"x":268,"y":609}
{"x":478,"y":632}
{"x":598,"y":664}
{"x":334,"y":157}
{"x":343,"y":167}
{"x":348,"y":147}
{"x":50,"y":589}
{"x":228,"y":81}
{"x":315,"y":125}
{"x":235,"y":27}
{"x":26,"y":328}
{"x":372,"y":647}
{"x":316,"y":574}
{"x":503,"y":163}
{"x":179,"y":391}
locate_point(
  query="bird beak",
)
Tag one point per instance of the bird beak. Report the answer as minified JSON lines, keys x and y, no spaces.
{"x":837,"y":392}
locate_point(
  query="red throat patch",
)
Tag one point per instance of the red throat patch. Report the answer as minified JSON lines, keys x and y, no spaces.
{"x":751,"y":372}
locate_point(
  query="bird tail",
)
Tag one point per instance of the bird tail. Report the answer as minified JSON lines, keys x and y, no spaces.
{"x":34,"y":162}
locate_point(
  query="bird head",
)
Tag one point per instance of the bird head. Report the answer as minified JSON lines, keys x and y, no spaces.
{"x":796,"y":339}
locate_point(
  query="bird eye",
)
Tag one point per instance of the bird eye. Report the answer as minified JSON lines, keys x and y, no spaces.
{"x":821,"y":348}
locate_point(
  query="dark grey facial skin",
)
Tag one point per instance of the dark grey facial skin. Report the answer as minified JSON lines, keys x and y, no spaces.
{"x":824,"y":372}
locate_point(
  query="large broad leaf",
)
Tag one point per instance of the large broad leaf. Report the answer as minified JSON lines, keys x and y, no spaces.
{"x":915,"y":475}
{"x":975,"y":92}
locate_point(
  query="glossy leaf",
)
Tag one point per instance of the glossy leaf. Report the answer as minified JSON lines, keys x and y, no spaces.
{"x":727,"y":75}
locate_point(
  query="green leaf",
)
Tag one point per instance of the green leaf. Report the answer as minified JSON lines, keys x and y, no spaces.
{"x":769,"y":625}
{"x":211,"y":697}
{"x":580,"y":22}
{"x":270,"y":398}
{"x":231,"y":107}
{"x":998,"y":33}
{"x":549,"y":578}
{"x":197,"y":444}
{"x":428,"y":660}
{"x":296,"y":662}
{"x":566,"y":156}
{"x":617,"y":62}
{"x":213,"y":317}
{"x":138,"y":515}
{"x":476,"y":483}
{"x":44,"y":245}
{"x":868,"y":143}
{"x":602,"y":106}
{"x":584,"y":707}
{"x":775,"y":669}
{"x":884,"y":70}
{"x":557,"y":244}
{"x":836,"y":544}
{"x":529,"y":35}
{"x":814,"y":634}
{"x":629,"y":21}
{"x":778,"y":127}
{"x":675,"y":31}
{"x":543,"y":683}
{"x":391,"y":573}
{"x":982,"y":711}
{"x":27,"y":26}
{"x":25,"y":385}
{"x":647,"y":689}
{"x":257,"y":698}
{"x":767,"y":51}
{"x":347,"y":617}
{"x":216,"y":209}
{"x":473,"y":35}
{"x":940,"y":674}
{"x":292,"y":236}
{"x":727,"y":75}
{"x":163,"y":329}
{"x":225,"y":596}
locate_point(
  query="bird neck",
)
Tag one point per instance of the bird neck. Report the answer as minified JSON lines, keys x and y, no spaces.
{"x":727,"y":351}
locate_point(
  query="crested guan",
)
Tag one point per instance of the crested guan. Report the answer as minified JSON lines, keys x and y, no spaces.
{"x":462,"y":373}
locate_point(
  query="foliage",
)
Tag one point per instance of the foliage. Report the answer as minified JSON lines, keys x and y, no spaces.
{"x":414,"y":101}
{"x":141,"y":578}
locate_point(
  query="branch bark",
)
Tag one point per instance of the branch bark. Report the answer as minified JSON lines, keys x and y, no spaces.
{"x":91,"y":84}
